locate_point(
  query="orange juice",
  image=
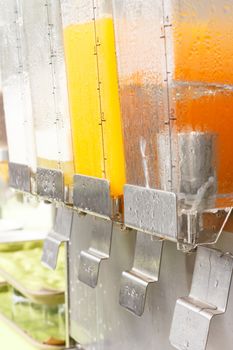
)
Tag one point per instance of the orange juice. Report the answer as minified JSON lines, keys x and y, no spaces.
{"x":4,"y":171}
{"x":94,"y":101}
{"x":200,"y":94}
{"x":203,"y":51}
{"x":203,"y":58}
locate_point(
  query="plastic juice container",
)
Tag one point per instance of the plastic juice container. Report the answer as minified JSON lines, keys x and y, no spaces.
{"x":3,"y":141}
{"x":174,"y":81}
{"x":203,"y":60}
{"x":93,"y":98}
{"x":42,"y":24}
{"x":15,"y":87}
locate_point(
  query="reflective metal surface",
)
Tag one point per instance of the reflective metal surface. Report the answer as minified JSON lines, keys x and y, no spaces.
{"x":152,"y":211}
{"x":50,"y":184}
{"x":60,"y":233}
{"x":92,"y":194}
{"x":208,"y":297}
{"x":159,"y":213}
{"x":145,"y":270}
{"x":90,"y":260}
{"x":98,"y":322}
{"x":201,"y":228}
{"x":20,"y":177}
{"x":197,"y":152}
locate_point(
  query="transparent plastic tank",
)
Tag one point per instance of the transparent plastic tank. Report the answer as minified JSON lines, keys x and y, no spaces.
{"x":3,"y":141}
{"x":93,"y":90}
{"x":15,"y":86}
{"x":42,"y":24}
{"x":176,"y":92}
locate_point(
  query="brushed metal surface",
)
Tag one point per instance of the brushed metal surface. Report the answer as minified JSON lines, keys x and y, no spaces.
{"x":197,"y":152}
{"x":99,"y":250}
{"x":151,"y":211}
{"x":97,"y":320}
{"x":208,"y":297}
{"x":93,"y":195}
{"x":59,"y":234}
{"x":145,"y":270}
{"x":19,"y":177}
{"x":50,"y":184}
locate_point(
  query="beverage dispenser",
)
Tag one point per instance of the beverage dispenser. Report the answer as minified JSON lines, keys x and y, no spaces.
{"x":93,"y":91}
{"x":42,"y":23}
{"x":96,"y":124}
{"x":176,"y":96}
{"x":18,"y":113}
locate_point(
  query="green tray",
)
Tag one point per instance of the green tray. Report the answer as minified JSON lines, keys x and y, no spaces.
{"x":43,"y":325}
{"x":23,"y":270}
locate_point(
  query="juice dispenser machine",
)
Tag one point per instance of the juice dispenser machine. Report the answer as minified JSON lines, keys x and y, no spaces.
{"x":176,"y":96}
{"x":42,"y":24}
{"x":15,"y":82}
{"x":119,"y":113}
{"x":96,"y":124}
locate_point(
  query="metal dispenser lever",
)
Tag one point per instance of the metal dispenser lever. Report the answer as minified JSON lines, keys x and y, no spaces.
{"x":145,"y":270}
{"x":92,"y":196}
{"x":20,"y":177}
{"x":151,"y":211}
{"x":154,"y":214}
{"x":208,"y":297}
{"x":59,"y":234}
{"x":99,"y":250}
{"x":50,"y":184}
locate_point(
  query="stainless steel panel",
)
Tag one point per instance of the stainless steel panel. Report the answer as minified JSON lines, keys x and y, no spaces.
{"x":59,"y":234}
{"x":92,"y":194}
{"x":145,"y":270}
{"x":98,"y":322}
{"x":20,"y":177}
{"x":99,"y":250}
{"x":152,"y":211}
{"x":208,"y":297}
{"x":50,"y":184}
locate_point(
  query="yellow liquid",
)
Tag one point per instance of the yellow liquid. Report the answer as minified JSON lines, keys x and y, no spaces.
{"x":94,"y":102}
{"x":66,"y":167}
{"x":4,"y":171}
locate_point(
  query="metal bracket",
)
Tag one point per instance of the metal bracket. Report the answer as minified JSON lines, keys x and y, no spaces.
{"x":159,"y":213}
{"x":201,"y":228}
{"x":20,"y":177}
{"x":99,"y":250}
{"x":151,"y":211}
{"x":208,"y":297}
{"x":146,"y":268}
{"x":60,"y":233}
{"x":92,"y":195}
{"x":50,"y":184}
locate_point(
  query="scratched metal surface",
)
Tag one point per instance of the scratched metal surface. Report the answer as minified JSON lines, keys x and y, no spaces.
{"x":100,"y":323}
